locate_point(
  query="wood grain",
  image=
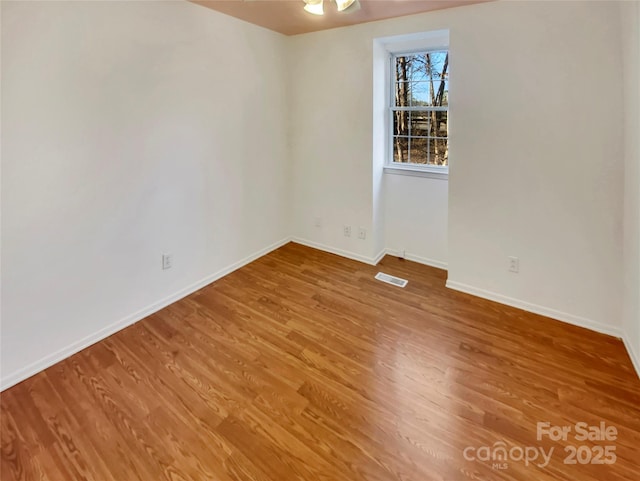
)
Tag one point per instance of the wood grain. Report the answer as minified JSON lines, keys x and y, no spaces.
{"x":301,"y":366}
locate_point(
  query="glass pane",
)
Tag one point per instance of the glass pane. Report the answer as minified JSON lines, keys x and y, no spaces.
{"x":427,"y":151}
{"x":438,"y":152}
{"x":441,"y":124}
{"x":441,"y":88}
{"x":401,"y":122}
{"x":426,"y":66}
{"x":421,"y":123}
{"x":422,"y":79}
{"x":403,"y":68}
{"x":421,"y":94}
{"x":438,"y":62}
{"x":429,"y":123}
{"x":402,"y":94}
{"x":401,"y":149}
{"x":418,"y":70}
{"x":429,"y":94}
{"x":419,"y":151}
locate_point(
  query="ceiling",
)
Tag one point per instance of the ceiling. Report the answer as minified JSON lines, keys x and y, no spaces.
{"x":289,"y":18}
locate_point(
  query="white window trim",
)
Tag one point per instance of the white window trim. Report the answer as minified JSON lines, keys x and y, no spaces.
{"x":407,"y":44}
{"x":417,"y":170}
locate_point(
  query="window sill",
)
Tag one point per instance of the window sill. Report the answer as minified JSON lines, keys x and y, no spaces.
{"x":417,"y":172}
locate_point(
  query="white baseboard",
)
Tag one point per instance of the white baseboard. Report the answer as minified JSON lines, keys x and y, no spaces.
{"x":339,"y":252}
{"x":51,"y":359}
{"x":379,"y":257}
{"x":537,"y":309}
{"x":418,"y":259}
{"x":509,"y":301}
{"x":369,"y":260}
{"x":635,"y":357}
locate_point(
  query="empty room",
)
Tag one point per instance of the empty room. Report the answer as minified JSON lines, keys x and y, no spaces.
{"x":320,"y":240}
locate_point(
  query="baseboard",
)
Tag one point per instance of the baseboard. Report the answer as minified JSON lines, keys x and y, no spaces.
{"x":536,"y":309}
{"x":379,"y":257}
{"x":369,"y":260}
{"x":418,"y":259}
{"x":635,"y":357}
{"x":339,"y":252}
{"x":51,"y":359}
{"x":510,"y":301}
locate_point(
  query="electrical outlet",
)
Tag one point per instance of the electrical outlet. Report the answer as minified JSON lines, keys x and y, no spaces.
{"x":514,"y":264}
{"x":167,"y":261}
{"x":318,"y":221}
{"x":362,"y":233}
{"x":347,"y":230}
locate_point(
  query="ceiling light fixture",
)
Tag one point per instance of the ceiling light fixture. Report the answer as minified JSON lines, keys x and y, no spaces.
{"x":344,"y":4}
{"x":316,"y":6}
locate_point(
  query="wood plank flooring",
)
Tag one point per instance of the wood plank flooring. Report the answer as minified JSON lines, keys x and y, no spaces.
{"x":301,"y":366}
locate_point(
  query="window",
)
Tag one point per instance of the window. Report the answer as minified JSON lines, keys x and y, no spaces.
{"x":419,"y":107}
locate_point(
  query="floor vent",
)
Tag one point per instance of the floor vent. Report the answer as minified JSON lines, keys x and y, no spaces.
{"x":396,"y":281}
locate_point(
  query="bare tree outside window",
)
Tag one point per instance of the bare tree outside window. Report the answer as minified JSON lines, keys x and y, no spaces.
{"x":420,"y":108}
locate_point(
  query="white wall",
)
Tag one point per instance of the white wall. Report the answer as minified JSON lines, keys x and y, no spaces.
{"x":536,"y":158}
{"x":416,"y":211}
{"x":412,"y":208}
{"x":539,"y":173}
{"x":130,"y":129}
{"x":331,"y":107}
{"x":630,"y":17}
{"x":124,"y":137}
{"x":331,"y":143}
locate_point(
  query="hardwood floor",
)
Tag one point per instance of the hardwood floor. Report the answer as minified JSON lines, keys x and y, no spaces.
{"x":301,"y":366}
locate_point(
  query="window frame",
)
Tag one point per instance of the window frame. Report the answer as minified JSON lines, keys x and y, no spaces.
{"x":390,"y":166}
